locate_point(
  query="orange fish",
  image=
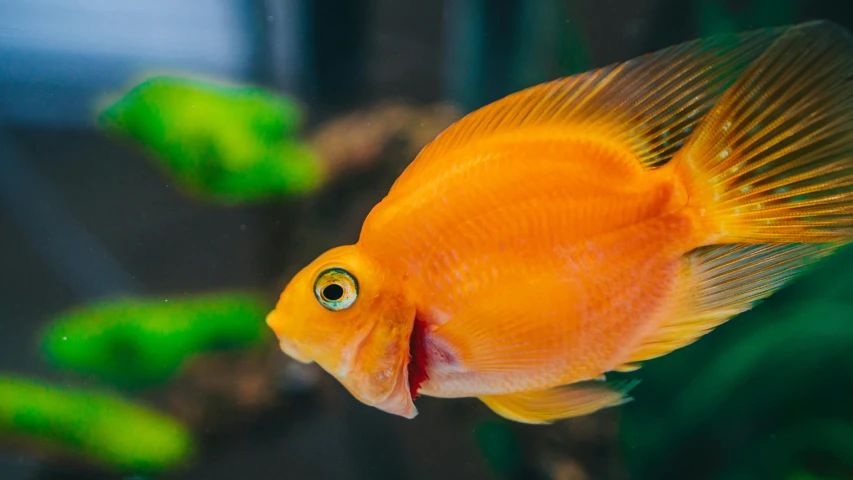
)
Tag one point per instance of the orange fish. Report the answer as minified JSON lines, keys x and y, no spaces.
{"x":589,"y":224}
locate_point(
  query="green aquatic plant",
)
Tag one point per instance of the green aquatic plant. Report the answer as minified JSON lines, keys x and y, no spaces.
{"x":781,"y":452}
{"x":756,"y":401}
{"x":229,"y":144}
{"x":99,"y":428}
{"x":136,"y":342}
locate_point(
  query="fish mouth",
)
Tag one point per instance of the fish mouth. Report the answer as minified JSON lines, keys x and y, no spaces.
{"x":292,"y":351}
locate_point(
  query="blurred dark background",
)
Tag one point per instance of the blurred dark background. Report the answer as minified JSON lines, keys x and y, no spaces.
{"x":83,"y":216}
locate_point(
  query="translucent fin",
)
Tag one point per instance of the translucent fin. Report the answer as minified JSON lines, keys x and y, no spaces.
{"x":557,"y":403}
{"x":773,"y":160}
{"x":627,"y":367}
{"x":722,"y":281}
{"x":649,"y":104}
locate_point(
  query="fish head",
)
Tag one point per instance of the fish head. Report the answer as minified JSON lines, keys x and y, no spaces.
{"x":348,"y":314}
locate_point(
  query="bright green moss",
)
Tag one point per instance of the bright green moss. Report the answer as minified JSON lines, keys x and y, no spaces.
{"x":228,"y":144}
{"x":100,"y":427}
{"x":139,"y":342}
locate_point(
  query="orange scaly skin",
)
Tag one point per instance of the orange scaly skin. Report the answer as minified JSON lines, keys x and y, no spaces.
{"x":588,"y":224}
{"x":536,"y":216}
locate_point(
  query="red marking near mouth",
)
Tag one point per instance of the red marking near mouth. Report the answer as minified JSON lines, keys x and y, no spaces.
{"x":417,"y":358}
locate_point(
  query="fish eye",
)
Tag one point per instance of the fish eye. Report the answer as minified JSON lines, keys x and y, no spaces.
{"x":336,"y":289}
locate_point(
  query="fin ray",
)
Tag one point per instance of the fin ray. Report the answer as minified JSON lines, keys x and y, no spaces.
{"x":772,"y":162}
{"x":649,"y":104}
{"x":627,"y":367}
{"x":547,"y":406}
{"x":721,"y":281}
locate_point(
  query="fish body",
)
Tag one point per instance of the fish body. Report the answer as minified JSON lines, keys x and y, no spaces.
{"x":588,"y":224}
{"x":556,"y":246}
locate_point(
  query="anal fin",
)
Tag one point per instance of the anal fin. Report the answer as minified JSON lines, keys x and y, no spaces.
{"x":547,"y":406}
{"x":627,"y":367}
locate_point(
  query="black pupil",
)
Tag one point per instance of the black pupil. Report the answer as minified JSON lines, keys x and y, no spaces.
{"x":333,"y":292}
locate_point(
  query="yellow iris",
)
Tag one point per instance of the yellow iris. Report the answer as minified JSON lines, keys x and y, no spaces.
{"x":336,"y":289}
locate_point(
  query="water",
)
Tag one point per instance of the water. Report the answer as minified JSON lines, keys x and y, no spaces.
{"x":142,"y":246}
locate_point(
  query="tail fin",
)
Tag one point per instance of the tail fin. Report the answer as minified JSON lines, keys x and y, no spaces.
{"x":772,"y":162}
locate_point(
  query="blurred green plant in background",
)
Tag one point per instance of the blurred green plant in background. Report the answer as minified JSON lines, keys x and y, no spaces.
{"x":227,"y":144}
{"x":139,"y":342}
{"x":132,"y":343}
{"x":91,"y":426}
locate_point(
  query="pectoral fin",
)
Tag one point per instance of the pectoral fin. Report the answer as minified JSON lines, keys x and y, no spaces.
{"x":547,"y":406}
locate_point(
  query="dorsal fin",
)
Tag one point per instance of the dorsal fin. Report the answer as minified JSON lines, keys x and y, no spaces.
{"x":650,"y":104}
